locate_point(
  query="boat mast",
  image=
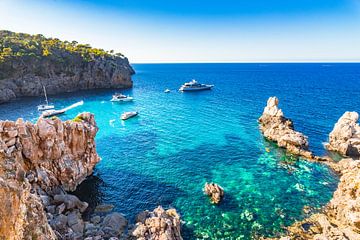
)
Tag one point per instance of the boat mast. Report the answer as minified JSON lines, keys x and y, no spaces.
{"x":46,"y":99}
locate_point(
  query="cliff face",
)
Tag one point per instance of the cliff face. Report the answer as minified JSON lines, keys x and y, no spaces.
{"x":40,"y":158}
{"x":101,"y":73}
{"x":29,"y":62}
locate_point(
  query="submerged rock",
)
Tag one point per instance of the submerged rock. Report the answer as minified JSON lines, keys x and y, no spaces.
{"x":345,"y":137}
{"x":275,"y":127}
{"x":214,"y":191}
{"x":36,"y":162}
{"x":157,"y":225}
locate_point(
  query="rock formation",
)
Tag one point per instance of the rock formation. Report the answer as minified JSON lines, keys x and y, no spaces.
{"x":341,"y":217}
{"x":345,"y":137}
{"x":275,"y":127}
{"x":157,"y":225}
{"x":29,"y":62}
{"x":36,"y":160}
{"x":214,"y":191}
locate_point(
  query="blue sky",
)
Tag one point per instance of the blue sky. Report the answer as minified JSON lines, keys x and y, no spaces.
{"x":198,"y":31}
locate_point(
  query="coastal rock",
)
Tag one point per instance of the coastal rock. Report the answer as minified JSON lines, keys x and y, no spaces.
{"x":345,"y":137}
{"x":157,"y":225}
{"x":37,"y":159}
{"x":114,"y":224}
{"x":340,"y":219}
{"x":275,"y":127}
{"x":214,"y":191}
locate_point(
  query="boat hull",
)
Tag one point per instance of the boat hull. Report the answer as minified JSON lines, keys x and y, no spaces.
{"x":195,"y":89}
{"x":126,"y":117}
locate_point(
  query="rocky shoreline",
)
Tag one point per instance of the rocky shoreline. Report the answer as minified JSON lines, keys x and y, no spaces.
{"x":39,"y":163}
{"x":340,"y":218}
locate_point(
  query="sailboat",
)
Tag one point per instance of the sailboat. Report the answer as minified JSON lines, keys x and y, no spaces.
{"x":46,"y":106}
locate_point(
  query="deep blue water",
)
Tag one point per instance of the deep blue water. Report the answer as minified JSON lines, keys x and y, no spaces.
{"x":181,"y":140}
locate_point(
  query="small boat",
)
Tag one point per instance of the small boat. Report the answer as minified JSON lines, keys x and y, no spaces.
{"x":167,"y":90}
{"x":52,"y":112}
{"x":46,"y":106}
{"x":118,"y":97}
{"x":194,"y":86}
{"x":127,"y":115}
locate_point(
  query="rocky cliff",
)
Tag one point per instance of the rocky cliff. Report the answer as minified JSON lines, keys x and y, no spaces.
{"x":345,"y":137}
{"x":29,"y":62}
{"x":36,"y":160}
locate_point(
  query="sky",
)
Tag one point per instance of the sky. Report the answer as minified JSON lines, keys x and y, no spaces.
{"x":167,"y":31}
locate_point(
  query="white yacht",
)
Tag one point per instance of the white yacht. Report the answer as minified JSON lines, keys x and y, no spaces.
{"x":46,"y":106}
{"x":167,"y":90}
{"x":118,"y":97}
{"x":127,"y":115}
{"x":194,"y":86}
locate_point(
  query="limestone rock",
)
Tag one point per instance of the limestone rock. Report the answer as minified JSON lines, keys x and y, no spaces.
{"x":40,"y":158}
{"x":345,"y":137}
{"x":214,"y":191}
{"x":72,"y":75}
{"x":275,"y":127}
{"x":157,"y":225}
{"x":114,"y":224}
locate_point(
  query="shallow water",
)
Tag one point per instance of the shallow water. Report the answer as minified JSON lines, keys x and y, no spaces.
{"x":181,"y":140}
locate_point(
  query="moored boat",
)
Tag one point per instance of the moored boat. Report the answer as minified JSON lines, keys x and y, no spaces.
{"x":52,"y":112}
{"x":118,"y":97}
{"x":127,"y":115}
{"x":46,"y":106}
{"x":195,"y":86}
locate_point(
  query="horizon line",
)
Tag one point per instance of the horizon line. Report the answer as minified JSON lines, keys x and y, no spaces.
{"x":249,"y":62}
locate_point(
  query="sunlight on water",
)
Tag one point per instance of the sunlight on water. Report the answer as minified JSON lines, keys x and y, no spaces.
{"x":179,"y":141}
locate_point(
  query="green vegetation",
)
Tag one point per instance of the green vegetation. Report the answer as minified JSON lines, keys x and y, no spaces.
{"x":78,"y":118}
{"x":32,"y":51}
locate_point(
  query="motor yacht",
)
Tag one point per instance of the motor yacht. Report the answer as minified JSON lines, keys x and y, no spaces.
{"x":118,"y":97}
{"x":194,"y":86}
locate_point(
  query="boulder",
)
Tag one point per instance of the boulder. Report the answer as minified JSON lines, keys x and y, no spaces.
{"x":214,"y":191}
{"x":159,"y":224}
{"x":345,"y":137}
{"x":114,"y":224}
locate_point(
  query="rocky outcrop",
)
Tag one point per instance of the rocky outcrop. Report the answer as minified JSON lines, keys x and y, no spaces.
{"x":102,"y":72}
{"x":341,"y":217}
{"x":275,"y":127}
{"x":36,"y":160}
{"x":157,"y":225}
{"x":345,"y":137}
{"x":214,"y":191}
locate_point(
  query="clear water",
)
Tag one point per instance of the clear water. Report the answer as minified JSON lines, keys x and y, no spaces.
{"x":179,"y":141}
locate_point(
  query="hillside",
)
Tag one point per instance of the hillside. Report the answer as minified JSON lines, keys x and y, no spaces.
{"x":28,"y":62}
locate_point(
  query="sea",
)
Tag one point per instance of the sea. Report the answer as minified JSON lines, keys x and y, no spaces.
{"x":179,"y":141}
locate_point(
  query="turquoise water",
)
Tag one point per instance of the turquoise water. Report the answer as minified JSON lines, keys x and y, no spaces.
{"x":179,"y":141}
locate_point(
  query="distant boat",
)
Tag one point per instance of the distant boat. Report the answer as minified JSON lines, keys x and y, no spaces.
{"x":127,"y":115}
{"x":46,"y":106}
{"x":167,"y":90}
{"x":53,"y":112}
{"x":118,"y":97}
{"x":194,"y":86}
